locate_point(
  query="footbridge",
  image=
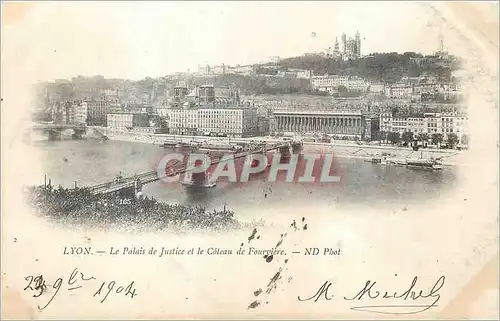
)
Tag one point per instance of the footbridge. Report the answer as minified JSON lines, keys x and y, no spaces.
{"x":134,"y":183}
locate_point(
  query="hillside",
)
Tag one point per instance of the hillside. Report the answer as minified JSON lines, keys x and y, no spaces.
{"x":261,"y":85}
{"x":378,"y":67}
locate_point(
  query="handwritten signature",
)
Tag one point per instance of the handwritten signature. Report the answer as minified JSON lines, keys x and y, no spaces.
{"x":76,"y":280}
{"x":370,"y":292}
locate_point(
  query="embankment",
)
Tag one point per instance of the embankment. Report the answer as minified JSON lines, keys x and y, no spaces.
{"x":347,"y":150}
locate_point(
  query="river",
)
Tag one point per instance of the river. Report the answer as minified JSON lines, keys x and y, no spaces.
{"x":363,"y":184}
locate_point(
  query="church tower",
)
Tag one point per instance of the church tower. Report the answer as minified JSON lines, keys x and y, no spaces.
{"x":358,"y":44}
{"x":344,"y":43}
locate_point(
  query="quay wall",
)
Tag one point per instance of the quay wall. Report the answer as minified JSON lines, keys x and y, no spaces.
{"x":339,"y":148}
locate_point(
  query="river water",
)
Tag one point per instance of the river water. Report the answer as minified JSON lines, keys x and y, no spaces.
{"x":363,"y":184}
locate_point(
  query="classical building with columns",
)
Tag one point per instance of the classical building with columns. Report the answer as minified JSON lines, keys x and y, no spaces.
{"x":342,"y":123}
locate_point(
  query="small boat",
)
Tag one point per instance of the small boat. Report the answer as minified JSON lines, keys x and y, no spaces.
{"x":378,"y":160}
{"x":398,"y":162}
{"x":424,"y":164}
{"x":221,"y":148}
{"x":194,"y":184}
{"x":375,"y":160}
{"x":186,"y":145}
{"x":168,"y":144}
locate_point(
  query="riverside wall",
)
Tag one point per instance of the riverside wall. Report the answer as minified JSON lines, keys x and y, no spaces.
{"x":340,"y":149}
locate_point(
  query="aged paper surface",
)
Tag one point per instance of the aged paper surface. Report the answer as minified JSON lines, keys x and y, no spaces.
{"x":410,"y":231}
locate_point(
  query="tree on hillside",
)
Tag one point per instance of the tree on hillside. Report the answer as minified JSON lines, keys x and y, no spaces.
{"x":344,"y":92}
{"x":452,"y":140}
{"x":393,"y":137}
{"x":377,"y":67}
{"x":407,"y":137}
{"x":437,"y":138}
{"x":424,"y":138}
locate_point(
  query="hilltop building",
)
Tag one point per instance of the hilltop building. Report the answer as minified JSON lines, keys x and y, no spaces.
{"x":347,"y":49}
{"x":351,"y":47}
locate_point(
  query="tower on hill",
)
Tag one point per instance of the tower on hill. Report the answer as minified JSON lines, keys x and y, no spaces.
{"x":350,"y":47}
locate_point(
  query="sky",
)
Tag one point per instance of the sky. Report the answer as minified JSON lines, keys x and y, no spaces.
{"x":137,"y":39}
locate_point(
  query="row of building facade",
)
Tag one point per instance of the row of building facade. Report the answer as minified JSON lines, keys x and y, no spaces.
{"x":245,"y":121}
{"x":231,"y":121}
{"x":427,"y":123}
{"x":91,"y":113}
{"x":345,"y":123}
{"x":412,"y":89}
{"x":201,"y":111}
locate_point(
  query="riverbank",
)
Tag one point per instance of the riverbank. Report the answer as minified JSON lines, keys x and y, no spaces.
{"x":340,"y":149}
{"x":80,"y":206}
{"x":448,"y":157}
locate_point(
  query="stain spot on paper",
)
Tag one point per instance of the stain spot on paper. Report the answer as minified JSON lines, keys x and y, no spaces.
{"x":254,"y":304}
{"x":252,"y":236}
{"x":268,"y":258}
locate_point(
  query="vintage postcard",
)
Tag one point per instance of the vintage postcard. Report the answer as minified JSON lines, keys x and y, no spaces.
{"x":209,"y":160}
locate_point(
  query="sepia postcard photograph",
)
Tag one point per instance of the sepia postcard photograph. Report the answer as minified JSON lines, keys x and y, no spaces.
{"x":249,"y":160}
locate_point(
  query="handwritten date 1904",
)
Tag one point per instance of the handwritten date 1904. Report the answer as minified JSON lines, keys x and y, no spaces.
{"x":128,"y":290}
{"x":76,"y":280}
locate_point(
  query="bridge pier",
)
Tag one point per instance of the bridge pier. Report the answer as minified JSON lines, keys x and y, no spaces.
{"x":199,"y":178}
{"x":284,"y":153}
{"x":262,"y":149}
{"x":284,"y":150}
{"x":296,"y":147}
{"x":127,"y":193}
{"x":138,"y":188}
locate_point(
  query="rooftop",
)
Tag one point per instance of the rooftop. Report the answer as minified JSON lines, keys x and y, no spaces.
{"x":317,"y":112}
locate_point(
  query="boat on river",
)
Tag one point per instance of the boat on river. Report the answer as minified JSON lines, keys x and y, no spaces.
{"x":186,"y":145}
{"x":397,"y":162}
{"x":177,"y":144}
{"x":377,"y":160}
{"x":169,"y":144}
{"x":195,"y":184}
{"x":220,"y":148}
{"x":424,"y":164}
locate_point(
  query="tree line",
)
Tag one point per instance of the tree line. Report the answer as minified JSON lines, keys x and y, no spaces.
{"x":395,"y":138}
{"x":377,"y":67}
